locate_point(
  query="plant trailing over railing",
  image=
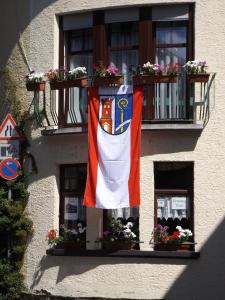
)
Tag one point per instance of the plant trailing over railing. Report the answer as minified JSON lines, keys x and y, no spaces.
{"x":155,"y":73}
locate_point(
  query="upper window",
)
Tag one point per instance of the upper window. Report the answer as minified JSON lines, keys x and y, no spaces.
{"x":123,"y":46}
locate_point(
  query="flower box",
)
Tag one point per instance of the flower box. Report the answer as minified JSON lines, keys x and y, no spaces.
{"x":65,"y":84}
{"x":69,"y":246}
{"x":106,"y":81}
{"x":35,"y":86}
{"x":151,"y":79}
{"x":173,"y":247}
{"x":200,"y":77}
{"x":118,"y":245}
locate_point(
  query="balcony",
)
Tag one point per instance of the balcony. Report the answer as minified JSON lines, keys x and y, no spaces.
{"x":167,"y":106}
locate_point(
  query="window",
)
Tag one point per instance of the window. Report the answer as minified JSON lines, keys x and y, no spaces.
{"x":171,"y":48}
{"x":80,"y":48}
{"x":174,"y":194}
{"x":72,"y":186}
{"x":132,"y":36}
{"x":123,"y":47}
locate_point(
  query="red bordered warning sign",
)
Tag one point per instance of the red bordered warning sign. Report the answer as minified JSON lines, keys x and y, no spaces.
{"x":9,"y":168}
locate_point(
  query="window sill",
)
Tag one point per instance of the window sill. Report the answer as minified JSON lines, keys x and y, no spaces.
{"x":48,"y":131}
{"x":125,"y":253}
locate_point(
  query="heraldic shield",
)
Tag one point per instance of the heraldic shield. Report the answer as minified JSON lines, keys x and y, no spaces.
{"x":115,"y":113}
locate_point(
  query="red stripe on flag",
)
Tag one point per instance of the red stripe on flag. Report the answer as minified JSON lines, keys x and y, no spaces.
{"x":93,"y":107}
{"x":134,"y":178}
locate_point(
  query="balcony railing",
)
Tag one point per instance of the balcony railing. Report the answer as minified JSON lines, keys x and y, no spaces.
{"x":164,"y":103}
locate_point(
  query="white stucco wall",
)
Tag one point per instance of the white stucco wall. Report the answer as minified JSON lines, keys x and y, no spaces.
{"x":133,"y":277}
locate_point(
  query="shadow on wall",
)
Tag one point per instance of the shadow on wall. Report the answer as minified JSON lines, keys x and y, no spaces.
{"x":205,"y":278}
{"x":202,"y":279}
{"x":163,"y":142}
{"x":15,"y":17}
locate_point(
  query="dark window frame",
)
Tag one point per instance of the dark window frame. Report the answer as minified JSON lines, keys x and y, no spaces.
{"x":178,"y":192}
{"x":65,"y":192}
{"x":147,"y":46}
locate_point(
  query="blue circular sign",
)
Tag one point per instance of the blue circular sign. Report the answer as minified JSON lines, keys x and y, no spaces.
{"x":9,"y":168}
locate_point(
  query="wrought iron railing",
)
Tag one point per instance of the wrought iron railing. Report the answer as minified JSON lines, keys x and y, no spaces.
{"x":171,"y":103}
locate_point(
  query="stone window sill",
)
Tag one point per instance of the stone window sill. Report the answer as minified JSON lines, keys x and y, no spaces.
{"x":126,"y":253}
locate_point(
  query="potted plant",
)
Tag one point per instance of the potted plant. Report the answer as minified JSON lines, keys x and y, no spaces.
{"x":177,"y":240}
{"x":62,"y":78}
{"x":118,"y":236}
{"x":155,"y":73}
{"x":35,"y":81}
{"x":105,"y":76}
{"x":196,"y":71}
{"x":68,"y":239}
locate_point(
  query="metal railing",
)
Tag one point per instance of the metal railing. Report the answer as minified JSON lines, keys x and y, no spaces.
{"x":172,"y":102}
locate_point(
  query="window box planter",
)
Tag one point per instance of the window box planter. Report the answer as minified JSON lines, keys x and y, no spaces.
{"x":173,"y":247}
{"x":150,"y":79}
{"x":201,"y":77}
{"x":118,"y":245}
{"x":65,"y":84}
{"x":67,"y":247}
{"x":106,"y":81}
{"x":35,"y":86}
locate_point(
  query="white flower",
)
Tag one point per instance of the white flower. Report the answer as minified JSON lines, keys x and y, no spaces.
{"x":129,"y":225}
{"x":81,"y":230}
{"x":188,"y":232}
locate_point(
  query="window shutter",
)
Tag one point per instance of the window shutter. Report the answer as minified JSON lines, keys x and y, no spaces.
{"x":77,"y":21}
{"x":121,"y":15}
{"x":170,"y":12}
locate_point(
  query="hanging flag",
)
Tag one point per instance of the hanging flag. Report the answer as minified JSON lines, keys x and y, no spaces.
{"x":114,"y":134}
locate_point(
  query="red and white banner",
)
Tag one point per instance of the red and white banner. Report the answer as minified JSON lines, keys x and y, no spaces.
{"x":114,"y":135}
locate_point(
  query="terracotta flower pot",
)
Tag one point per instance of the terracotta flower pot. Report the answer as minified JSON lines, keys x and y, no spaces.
{"x":201,"y":77}
{"x":118,"y":245}
{"x":35,"y":86}
{"x":65,"y":84}
{"x":151,"y":79}
{"x":106,"y":81}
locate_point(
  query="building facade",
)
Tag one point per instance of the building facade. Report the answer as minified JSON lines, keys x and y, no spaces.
{"x":182,"y":143}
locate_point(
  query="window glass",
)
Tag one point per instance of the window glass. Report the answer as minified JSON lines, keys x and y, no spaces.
{"x":170,"y":99}
{"x":123,"y":43}
{"x":81,"y":54}
{"x":72,"y":190}
{"x":174,"y":194}
{"x":167,"y":34}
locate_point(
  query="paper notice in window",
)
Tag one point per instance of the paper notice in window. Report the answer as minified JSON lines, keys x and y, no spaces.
{"x":71,"y":208}
{"x":161,"y":202}
{"x":179,"y":202}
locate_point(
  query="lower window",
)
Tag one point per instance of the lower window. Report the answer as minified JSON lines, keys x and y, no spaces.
{"x":72,"y":212}
{"x":173,"y":224}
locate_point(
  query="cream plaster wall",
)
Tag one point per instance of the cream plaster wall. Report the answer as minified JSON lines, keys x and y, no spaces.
{"x":133,"y":277}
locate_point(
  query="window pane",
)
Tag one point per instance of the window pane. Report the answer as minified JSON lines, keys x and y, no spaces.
{"x":81,"y":40}
{"x":74,"y":178}
{"x":171,"y":35}
{"x":170,"y":99}
{"x":173,"y":207}
{"x":123,"y":34}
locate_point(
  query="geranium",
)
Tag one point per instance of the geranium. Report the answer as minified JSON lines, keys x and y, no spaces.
{"x":195,"y":67}
{"x":102,"y":71}
{"x":35,"y":77}
{"x":152,"y":69}
{"x":119,"y":232}
{"x":63,"y":74}
{"x":161,"y":235}
{"x":53,"y":237}
{"x":172,"y":69}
